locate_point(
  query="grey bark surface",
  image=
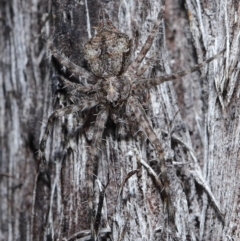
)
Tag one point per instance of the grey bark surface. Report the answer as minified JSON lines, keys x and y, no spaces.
{"x":50,"y":203}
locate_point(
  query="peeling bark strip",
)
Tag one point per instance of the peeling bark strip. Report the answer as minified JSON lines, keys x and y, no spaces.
{"x":201,"y":137}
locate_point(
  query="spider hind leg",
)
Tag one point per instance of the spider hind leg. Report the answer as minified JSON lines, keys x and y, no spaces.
{"x":145,"y":124}
{"x":91,"y":165}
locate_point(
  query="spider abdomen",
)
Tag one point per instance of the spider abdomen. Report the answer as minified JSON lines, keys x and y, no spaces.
{"x":108,"y":52}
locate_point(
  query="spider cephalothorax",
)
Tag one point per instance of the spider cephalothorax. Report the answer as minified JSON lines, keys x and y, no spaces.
{"x":113,"y":85}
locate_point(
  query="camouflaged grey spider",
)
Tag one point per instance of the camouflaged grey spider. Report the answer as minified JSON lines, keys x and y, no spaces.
{"x":116,"y":87}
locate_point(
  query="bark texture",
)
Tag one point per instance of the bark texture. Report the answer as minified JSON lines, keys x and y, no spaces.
{"x":24,"y":81}
{"x":50,"y":202}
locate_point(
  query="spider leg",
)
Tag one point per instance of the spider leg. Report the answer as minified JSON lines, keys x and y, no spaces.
{"x":93,"y":154}
{"x":147,"y":83}
{"x":142,"y":119}
{"x":89,"y":103}
{"x":135,"y":64}
{"x":78,"y":87}
{"x":145,"y":67}
{"x":73,"y":68}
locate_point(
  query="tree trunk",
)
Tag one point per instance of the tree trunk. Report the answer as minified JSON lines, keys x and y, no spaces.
{"x":196,"y":118}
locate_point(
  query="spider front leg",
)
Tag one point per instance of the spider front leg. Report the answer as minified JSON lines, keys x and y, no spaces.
{"x":145,"y":124}
{"x":73,"y":68}
{"x":148,"y":83}
{"x":135,"y":64}
{"x":93,"y":154}
{"x":76,"y":87}
{"x":145,"y":67}
{"x":89,"y":103}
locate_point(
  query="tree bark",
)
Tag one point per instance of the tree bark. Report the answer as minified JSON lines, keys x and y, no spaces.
{"x":196,"y":118}
{"x":24,"y":81}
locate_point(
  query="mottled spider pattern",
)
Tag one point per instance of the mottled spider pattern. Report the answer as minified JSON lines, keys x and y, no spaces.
{"x":114,"y":84}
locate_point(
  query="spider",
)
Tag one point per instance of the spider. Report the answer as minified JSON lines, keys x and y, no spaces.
{"x":114,"y":85}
